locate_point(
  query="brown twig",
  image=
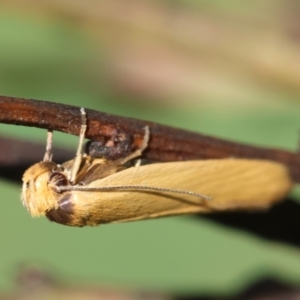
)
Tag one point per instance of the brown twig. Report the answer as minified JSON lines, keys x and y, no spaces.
{"x":166,"y":144}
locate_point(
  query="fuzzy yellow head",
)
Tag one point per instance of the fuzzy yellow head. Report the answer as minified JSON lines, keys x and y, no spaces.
{"x":37,"y":197}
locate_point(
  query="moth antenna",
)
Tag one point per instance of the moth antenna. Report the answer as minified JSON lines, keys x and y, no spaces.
{"x":138,"y":152}
{"x":48,"y":154}
{"x":130,"y":187}
{"x":78,"y":157}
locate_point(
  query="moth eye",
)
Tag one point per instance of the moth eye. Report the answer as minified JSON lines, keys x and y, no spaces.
{"x":58,"y":179}
{"x":27,"y":184}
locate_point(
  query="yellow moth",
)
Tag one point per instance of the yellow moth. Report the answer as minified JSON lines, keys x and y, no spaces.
{"x":92,"y":191}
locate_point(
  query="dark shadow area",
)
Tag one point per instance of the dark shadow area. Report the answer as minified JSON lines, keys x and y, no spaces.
{"x":280,"y":223}
{"x":265,"y":289}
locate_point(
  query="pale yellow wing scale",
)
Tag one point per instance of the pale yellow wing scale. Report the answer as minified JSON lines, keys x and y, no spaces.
{"x":232,"y":184}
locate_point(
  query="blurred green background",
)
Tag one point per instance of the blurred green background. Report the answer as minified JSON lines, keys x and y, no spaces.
{"x":229,"y":69}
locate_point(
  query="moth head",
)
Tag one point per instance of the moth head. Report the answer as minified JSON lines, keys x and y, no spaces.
{"x":38,"y":192}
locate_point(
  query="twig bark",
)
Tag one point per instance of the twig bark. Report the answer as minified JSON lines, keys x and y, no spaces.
{"x":166,"y":144}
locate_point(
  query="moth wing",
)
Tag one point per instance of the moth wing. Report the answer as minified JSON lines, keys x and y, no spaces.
{"x":232,"y":183}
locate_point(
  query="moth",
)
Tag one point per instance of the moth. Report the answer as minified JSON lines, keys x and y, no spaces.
{"x":88,"y":191}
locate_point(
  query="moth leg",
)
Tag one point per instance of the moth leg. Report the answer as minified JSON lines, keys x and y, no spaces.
{"x":138,"y":152}
{"x":48,"y":154}
{"x":78,"y":157}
